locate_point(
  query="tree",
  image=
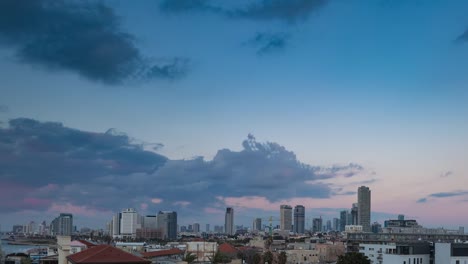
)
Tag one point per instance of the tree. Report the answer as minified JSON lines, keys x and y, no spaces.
{"x":353,"y":258}
{"x":268,"y":257}
{"x":190,"y":257}
{"x":282,"y":258}
{"x":220,"y":258}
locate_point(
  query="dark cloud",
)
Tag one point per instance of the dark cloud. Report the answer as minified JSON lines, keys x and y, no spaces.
{"x":284,"y":10}
{"x":288,"y":11}
{"x":422,"y":200}
{"x":463,"y":37}
{"x":266,"y":43}
{"x":55,"y":164}
{"x":446,"y":174}
{"x":448,"y":194}
{"x":443,"y":195}
{"x":82,"y":37}
{"x":176,"y":6}
{"x":37,"y":154}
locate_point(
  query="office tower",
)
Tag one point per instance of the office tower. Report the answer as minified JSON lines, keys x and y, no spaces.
{"x":190,"y":228}
{"x":167,"y":223}
{"x":336,"y":224}
{"x":376,"y":227}
{"x":401,"y":217}
{"x":115,"y":225}
{"x":183,"y":229}
{"x":150,"y":221}
{"x":299,"y":219}
{"x":364,"y":208}
{"x":353,"y":220}
{"x":317,"y":225}
{"x":196,"y":227}
{"x":207,"y":229}
{"x":229,"y":221}
{"x":257,"y":224}
{"x":130,"y":221}
{"x":285,"y":217}
{"x":329,"y":225}
{"x":343,"y":219}
{"x":62,"y":225}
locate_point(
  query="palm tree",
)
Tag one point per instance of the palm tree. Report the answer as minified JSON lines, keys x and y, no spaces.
{"x":353,"y":258}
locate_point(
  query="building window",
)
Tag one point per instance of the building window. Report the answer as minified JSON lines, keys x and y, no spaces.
{"x":457,"y":262}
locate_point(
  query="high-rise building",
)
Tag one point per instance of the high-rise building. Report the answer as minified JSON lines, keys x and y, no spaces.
{"x":167,"y":223}
{"x":285,"y":217}
{"x":196,"y":228}
{"x":299,"y":219}
{"x":401,"y":217}
{"x":62,"y":225}
{"x":150,"y":221}
{"x":329,"y":225}
{"x":336,"y":224}
{"x":317,"y":225}
{"x":257,"y":224}
{"x":207,"y":229}
{"x":364,"y":208}
{"x":115,"y":225}
{"x":353,"y":219}
{"x":130,"y":221}
{"x":229,"y":221}
{"x":343,"y":219}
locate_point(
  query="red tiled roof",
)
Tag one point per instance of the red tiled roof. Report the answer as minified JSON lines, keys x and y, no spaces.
{"x":87,"y":243}
{"x":105,"y":254}
{"x":160,"y":253}
{"x":227,"y":248}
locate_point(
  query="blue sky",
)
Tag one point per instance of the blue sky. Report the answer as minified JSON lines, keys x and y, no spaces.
{"x":381,"y":84}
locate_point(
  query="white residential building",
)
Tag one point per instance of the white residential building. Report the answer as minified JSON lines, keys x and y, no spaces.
{"x":396,"y":253}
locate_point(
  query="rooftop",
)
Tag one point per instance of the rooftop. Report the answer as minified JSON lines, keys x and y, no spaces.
{"x":105,"y":254}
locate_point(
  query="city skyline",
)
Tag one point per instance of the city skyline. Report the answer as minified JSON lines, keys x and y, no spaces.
{"x":249,"y":105}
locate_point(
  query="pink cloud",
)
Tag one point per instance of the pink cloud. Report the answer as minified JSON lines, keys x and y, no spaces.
{"x":75,"y":209}
{"x":36,"y":202}
{"x":156,"y":200}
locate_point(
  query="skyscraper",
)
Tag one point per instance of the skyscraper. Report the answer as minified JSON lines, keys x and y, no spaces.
{"x":257,"y":224}
{"x":353,"y":220}
{"x":167,"y":222}
{"x":317,"y":225}
{"x":229,"y":221}
{"x":336,"y":224}
{"x":285,"y":217}
{"x":343,"y":219}
{"x":62,"y":225}
{"x":196,"y":227}
{"x":130,"y":221}
{"x":364,"y":208}
{"x":299,"y":219}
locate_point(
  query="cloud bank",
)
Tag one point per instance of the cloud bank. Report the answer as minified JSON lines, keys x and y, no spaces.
{"x":46,"y":165}
{"x":80,"y":36}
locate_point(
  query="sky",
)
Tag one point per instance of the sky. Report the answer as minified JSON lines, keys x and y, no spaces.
{"x":194,"y":106}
